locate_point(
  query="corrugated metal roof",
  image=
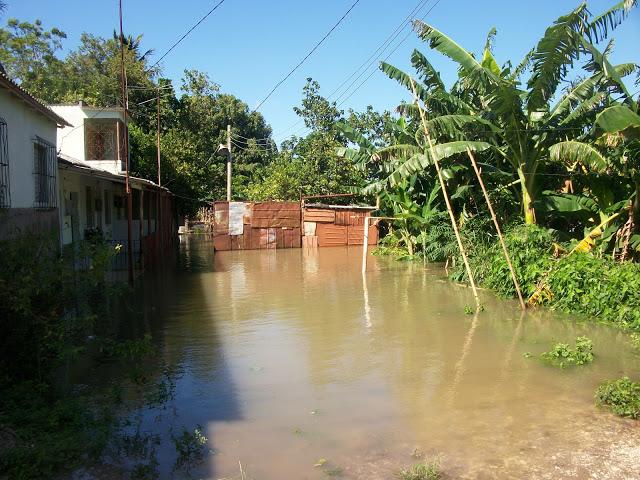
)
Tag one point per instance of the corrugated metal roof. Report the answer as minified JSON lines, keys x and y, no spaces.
{"x":340,"y":207}
{"x":85,"y":168}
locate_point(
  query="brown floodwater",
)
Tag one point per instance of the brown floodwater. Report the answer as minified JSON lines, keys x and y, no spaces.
{"x":298,"y":368}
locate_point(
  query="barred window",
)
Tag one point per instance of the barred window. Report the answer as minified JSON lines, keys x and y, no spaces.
{"x":45,"y":168}
{"x":5,"y":193}
{"x":102,"y":140}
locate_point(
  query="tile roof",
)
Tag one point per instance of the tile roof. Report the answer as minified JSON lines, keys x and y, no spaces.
{"x":32,"y":101}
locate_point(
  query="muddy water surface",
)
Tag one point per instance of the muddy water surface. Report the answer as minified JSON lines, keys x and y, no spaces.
{"x":289,"y":360}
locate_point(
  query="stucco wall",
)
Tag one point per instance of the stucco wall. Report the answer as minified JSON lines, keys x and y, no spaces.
{"x":75,"y":182}
{"x":23,"y":125}
{"x":71,"y":140}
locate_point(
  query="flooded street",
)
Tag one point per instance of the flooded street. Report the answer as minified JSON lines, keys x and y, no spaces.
{"x":297,"y":369}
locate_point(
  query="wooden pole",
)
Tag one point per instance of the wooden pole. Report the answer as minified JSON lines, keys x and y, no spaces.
{"x":445,"y":194}
{"x":123,"y":92}
{"x":365,"y":245}
{"x":158,"y":232}
{"x":497,"y":225}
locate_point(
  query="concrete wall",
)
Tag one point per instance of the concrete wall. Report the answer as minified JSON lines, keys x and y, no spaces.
{"x":71,"y":140}
{"x":23,"y":125}
{"x":73,"y":185}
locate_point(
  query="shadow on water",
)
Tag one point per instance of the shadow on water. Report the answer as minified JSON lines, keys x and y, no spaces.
{"x":193,"y":381}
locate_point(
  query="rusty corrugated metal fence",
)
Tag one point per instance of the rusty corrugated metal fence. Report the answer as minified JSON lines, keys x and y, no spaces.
{"x":270,"y":225}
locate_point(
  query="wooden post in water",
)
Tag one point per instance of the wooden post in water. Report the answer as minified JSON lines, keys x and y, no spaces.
{"x":497,"y":225}
{"x":365,"y":244}
{"x":444,"y":192}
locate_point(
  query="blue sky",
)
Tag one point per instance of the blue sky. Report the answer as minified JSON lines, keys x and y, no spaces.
{"x":247,"y":46}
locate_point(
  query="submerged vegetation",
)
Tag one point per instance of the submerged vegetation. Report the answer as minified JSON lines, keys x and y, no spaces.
{"x":621,"y":396}
{"x":562,"y":355}
{"x":421,"y":471}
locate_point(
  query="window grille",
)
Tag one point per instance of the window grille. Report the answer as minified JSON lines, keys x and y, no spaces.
{"x":102,"y":140}
{"x":5,"y":193}
{"x":45,"y":172}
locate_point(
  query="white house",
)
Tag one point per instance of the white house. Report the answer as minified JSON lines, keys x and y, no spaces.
{"x":92,"y":193}
{"x":28,"y":163}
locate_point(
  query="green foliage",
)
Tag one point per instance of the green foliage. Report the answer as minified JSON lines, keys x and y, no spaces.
{"x":391,"y":245}
{"x":562,"y":355}
{"x":621,"y":396}
{"x":310,"y":165}
{"x":48,"y":316}
{"x":421,"y":471}
{"x":191,"y":448}
{"x":52,"y":433}
{"x":529,"y":247}
{"x":598,"y":287}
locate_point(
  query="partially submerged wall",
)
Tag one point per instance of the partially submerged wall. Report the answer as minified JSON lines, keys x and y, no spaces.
{"x":271,"y":225}
{"x":256,"y":225}
{"x":336,"y":225}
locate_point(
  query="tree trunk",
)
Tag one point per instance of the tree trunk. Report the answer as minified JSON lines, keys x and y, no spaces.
{"x":527,"y":200}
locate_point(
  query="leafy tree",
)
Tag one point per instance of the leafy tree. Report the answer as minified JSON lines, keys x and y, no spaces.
{"x":310,"y":165}
{"x":487,"y":102}
{"x":28,"y":54}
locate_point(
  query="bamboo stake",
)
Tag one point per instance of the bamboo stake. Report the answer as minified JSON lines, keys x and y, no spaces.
{"x":445,"y":194}
{"x":497,"y":225}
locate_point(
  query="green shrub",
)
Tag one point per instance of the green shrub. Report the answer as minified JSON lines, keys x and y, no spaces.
{"x":53,"y":433}
{"x":422,"y":471}
{"x":529,"y":248}
{"x":598,"y":287}
{"x":562,"y":355}
{"x":621,"y":396}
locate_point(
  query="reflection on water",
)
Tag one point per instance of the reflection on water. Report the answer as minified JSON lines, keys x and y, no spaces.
{"x":290,"y":356}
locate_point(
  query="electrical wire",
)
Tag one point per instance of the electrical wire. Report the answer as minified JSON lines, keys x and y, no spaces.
{"x":404,"y":39}
{"x":187,"y":33}
{"x":317,"y":45}
{"x":367,"y":63}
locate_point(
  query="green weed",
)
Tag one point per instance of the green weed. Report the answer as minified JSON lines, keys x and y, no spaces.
{"x":422,"y":471}
{"x":621,"y":396}
{"x":191,"y":448}
{"x":562,"y":355}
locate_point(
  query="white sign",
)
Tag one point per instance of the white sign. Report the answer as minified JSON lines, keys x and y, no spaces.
{"x":236,"y":218}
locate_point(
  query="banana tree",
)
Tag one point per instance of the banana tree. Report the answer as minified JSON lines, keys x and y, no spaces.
{"x":489,"y":104}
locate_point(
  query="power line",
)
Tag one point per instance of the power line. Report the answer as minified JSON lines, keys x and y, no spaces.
{"x":187,"y":33}
{"x":367,"y":63}
{"x":307,"y":56}
{"x":404,"y":39}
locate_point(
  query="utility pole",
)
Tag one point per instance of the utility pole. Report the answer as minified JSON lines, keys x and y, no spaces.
{"x":123,"y":92}
{"x":159,"y":194}
{"x":158,"y":136}
{"x":228,"y":163}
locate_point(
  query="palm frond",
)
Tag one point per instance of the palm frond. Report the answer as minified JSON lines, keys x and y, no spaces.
{"x":471,"y":69}
{"x":403,"y":79}
{"x":421,"y":161}
{"x":429,"y":76}
{"x":601,"y":64}
{"x":453,"y":125}
{"x":573,"y":153}
{"x":555,"y":53}
{"x":523,"y":65}
{"x":590,"y":105}
{"x":600,"y":27}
